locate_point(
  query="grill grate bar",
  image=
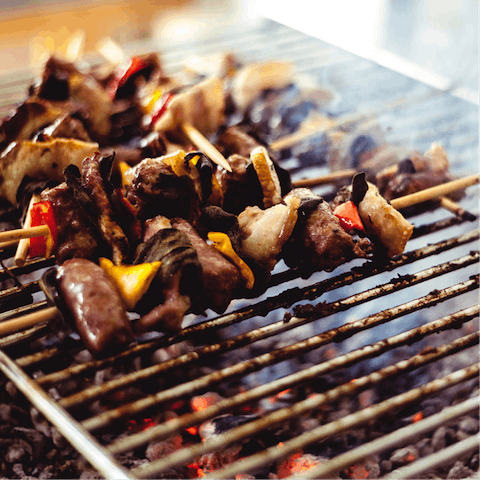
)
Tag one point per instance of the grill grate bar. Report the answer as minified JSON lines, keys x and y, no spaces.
{"x":268,"y":456}
{"x":160,"y":432}
{"x":239,"y":369}
{"x":395,"y":285}
{"x":285,"y":299}
{"x":85,"y":444}
{"x":443,"y":457}
{"x":395,"y":439}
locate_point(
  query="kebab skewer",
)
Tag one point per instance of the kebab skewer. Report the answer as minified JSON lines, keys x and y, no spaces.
{"x":96,"y":343}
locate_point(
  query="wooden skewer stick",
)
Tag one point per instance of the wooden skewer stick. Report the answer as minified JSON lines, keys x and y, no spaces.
{"x":314,"y":126}
{"x":20,"y":233}
{"x":12,"y":237}
{"x":434,"y":192}
{"x":29,"y":320}
{"x":326,"y":179}
{"x":204,"y":144}
{"x":22,"y":249}
{"x":457,"y":209}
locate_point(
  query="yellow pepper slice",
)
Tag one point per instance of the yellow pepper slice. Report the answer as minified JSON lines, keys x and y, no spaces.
{"x":132,"y":281}
{"x":222,"y":243}
{"x":148,"y":107}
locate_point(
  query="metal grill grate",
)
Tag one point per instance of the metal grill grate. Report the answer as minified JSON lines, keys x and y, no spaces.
{"x":262,"y":347}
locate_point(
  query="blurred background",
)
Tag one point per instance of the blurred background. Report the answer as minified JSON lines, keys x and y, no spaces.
{"x":435,"y":41}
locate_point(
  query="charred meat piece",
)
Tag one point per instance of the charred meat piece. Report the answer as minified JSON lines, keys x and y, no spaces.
{"x":177,"y":285}
{"x":235,"y":140}
{"x":66,"y":126}
{"x":77,"y":237}
{"x":220,"y":277}
{"x":39,"y":160}
{"x":94,"y":304}
{"x":241,"y":187}
{"x":156,"y":190}
{"x":95,"y":176}
{"x":318,"y":242}
{"x":27,"y":119}
{"x":407,"y":183}
{"x":67,"y":87}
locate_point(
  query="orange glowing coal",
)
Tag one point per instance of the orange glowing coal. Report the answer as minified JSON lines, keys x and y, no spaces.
{"x":297,"y":463}
{"x":417,"y":417}
{"x":358,"y":471}
{"x":201,"y":402}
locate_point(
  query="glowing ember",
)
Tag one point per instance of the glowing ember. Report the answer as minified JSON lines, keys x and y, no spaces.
{"x":358,"y":471}
{"x":192,"y":430}
{"x":201,"y":402}
{"x":147,"y":423}
{"x":417,"y":417}
{"x":298,"y":463}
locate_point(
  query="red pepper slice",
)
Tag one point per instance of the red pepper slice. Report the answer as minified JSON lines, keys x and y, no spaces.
{"x":136,"y":64}
{"x":162,"y":109}
{"x":349,"y":217}
{"x":42,"y":214}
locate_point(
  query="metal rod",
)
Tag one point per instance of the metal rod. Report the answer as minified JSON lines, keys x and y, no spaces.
{"x":172,"y":426}
{"x":392,"y":440}
{"x":81,"y":439}
{"x":285,"y":299}
{"x":443,"y":457}
{"x":270,"y":455}
{"x":395,"y":285}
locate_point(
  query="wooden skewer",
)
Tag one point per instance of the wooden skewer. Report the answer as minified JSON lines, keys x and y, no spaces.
{"x":204,"y":144}
{"x":457,"y":209}
{"x":22,"y":249}
{"x":434,"y":192}
{"x":29,"y":320}
{"x":326,"y":179}
{"x":314,"y":126}
{"x":22,"y":233}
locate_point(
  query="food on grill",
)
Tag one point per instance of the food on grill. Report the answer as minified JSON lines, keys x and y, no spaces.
{"x":319,"y":242}
{"x":39,"y":160}
{"x":94,"y":304}
{"x":194,"y":234}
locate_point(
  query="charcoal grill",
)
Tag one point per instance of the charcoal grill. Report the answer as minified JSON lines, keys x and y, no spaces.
{"x":262,"y":347}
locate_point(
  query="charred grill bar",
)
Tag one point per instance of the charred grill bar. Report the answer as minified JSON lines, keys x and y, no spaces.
{"x":285,"y":337}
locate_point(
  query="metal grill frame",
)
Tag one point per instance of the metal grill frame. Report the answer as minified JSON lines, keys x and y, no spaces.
{"x":79,"y":433}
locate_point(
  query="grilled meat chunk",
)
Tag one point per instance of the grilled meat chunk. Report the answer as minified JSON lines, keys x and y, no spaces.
{"x":264,"y":232}
{"x":94,"y":304}
{"x":76,"y":236}
{"x":318,"y":242}
{"x":27,"y":119}
{"x":383,"y":223}
{"x":39,"y":160}
{"x":156,"y":190}
{"x":68,"y":88}
{"x":220,"y":277}
{"x":177,"y":285}
{"x":95,"y":183}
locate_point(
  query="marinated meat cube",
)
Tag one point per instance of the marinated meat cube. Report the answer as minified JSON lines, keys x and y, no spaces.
{"x":220,"y":277}
{"x":156,"y":190}
{"x":319,"y":242}
{"x":76,"y":236}
{"x":111,"y":231}
{"x":94,"y":304}
{"x":264,"y":232}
